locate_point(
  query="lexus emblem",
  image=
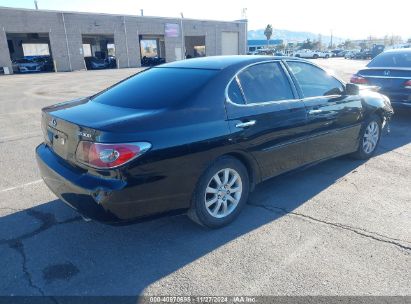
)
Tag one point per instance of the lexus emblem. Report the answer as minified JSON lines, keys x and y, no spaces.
{"x":387,"y":73}
{"x":54,"y":122}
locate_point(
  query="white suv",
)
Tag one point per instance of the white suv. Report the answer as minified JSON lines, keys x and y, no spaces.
{"x":312,"y":54}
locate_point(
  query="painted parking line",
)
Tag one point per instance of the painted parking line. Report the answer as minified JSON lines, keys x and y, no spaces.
{"x":22,"y":186}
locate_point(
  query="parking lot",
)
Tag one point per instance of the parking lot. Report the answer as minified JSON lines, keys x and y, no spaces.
{"x":342,"y":227}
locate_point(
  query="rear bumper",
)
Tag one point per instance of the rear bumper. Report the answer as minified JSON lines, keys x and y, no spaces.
{"x":79,"y":190}
{"x":28,"y":70}
{"x":398,"y":98}
{"x":108,"y":200}
{"x":401,"y":103}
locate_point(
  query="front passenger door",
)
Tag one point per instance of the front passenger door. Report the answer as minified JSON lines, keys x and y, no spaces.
{"x":333,"y":118}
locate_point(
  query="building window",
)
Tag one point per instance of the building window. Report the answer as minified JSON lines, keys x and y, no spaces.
{"x":87,"y":50}
{"x":36,"y":49}
{"x":149,"y":48}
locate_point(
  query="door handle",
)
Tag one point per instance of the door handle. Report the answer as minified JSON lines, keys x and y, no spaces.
{"x":312,"y":112}
{"x":245,"y":124}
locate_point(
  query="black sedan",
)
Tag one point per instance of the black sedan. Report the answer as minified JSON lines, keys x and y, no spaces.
{"x":94,"y":63}
{"x":197,"y":135}
{"x":391,"y":72}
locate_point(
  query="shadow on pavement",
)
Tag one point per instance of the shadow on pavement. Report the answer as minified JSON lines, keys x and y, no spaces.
{"x":57,"y":253}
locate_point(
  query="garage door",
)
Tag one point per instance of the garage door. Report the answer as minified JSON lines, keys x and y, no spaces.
{"x":229,"y":43}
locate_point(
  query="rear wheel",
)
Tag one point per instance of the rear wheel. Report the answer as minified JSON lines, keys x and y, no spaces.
{"x":369,"y":138}
{"x":220,"y":194}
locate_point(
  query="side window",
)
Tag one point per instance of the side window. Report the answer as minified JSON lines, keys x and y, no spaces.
{"x":315,"y":81}
{"x":234,"y":92}
{"x":265,"y":82}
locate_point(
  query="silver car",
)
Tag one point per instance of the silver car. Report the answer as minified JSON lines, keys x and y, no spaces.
{"x":25,"y":65}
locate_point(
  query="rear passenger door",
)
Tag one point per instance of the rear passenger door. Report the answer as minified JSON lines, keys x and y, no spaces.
{"x":333,"y":118}
{"x":266,"y":117}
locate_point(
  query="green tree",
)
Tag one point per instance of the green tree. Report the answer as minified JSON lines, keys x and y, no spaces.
{"x":316,"y":45}
{"x":307,"y":44}
{"x":348,"y":44}
{"x":319,"y":45}
{"x":281,"y":47}
{"x":268,"y":32}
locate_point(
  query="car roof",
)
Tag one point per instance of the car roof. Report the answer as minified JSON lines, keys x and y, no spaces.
{"x":403,"y":50}
{"x":221,"y":62}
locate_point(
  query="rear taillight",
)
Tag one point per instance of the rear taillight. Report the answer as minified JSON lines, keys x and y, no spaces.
{"x":407,"y":84}
{"x":107,"y":156}
{"x":358,"y":79}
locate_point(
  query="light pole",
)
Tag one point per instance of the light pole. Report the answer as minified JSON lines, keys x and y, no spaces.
{"x":331,"y":40}
{"x":182,"y":37}
{"x":36,"y":5}
{"x":245,"y":21}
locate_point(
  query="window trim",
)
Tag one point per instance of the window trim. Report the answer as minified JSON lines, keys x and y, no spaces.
{"x":297,"y":84}
{"x":247,"y":104}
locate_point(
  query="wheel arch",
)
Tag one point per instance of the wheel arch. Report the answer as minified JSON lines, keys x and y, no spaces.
{"x":250,"y":164}
{"x":380,"y":113}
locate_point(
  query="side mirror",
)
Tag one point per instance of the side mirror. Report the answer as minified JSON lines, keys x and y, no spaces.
{"x":352,"y":89}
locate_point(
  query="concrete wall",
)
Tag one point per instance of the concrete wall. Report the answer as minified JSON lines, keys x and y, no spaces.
{"x":67,"y":53}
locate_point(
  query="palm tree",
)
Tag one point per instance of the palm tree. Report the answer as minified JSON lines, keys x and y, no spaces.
{"x":268,"y":32}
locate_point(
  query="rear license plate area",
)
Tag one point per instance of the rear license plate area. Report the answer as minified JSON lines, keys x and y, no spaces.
{"x":58,"y":141}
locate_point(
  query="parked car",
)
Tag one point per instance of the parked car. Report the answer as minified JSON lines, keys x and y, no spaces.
{"x":45,"y":61}
{"x":197,"y":135}
{"x":152,"y":61}
{"x":377,"y":49}
{"x":312,"y":54}
{"x":24,"y":65}
{"x":350,"y":54}
{"x":111,"y":62}
{"x":363,"y":54}
{"x":94,"y":63}
{"x":391,"y":72}
{"x":265,"y":52}
{"x":337,"y":53}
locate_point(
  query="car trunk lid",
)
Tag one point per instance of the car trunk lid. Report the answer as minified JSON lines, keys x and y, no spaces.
{"x":65,"y":125}
{"x":386,"y":78}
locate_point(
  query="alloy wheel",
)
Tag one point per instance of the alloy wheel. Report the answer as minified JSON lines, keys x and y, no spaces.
{"x":223,"y":193}
{"x":371,"y":136}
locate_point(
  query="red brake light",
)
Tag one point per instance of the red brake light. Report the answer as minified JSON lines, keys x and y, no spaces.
{"x":358,"y":79}
{"x":106,"y":156}
{"x":407,"y":84}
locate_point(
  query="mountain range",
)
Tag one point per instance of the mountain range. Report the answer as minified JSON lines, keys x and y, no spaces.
{"x":293,"y":36}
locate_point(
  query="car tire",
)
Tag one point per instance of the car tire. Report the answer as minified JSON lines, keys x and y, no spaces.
{"x":220,"y":194}
{"x":327,"y":56}
{"x":315,"y":56}
{"x":369,"y":138}
{"x":298,"y":55}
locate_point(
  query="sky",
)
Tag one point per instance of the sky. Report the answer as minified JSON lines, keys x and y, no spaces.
{"x":354,"y":19}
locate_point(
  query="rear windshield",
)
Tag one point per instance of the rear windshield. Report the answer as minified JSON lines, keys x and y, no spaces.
{"x":155,"y":88}
{"x":402,"y":59}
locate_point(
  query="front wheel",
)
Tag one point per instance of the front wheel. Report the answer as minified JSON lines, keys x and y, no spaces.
{"x":369,"y":138}
{"x":220,"y":194}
